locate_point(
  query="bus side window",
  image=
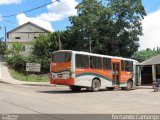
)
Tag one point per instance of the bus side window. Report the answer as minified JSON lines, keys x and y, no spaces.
{"x":129,"y":66}
{"x":107,"y":64}
{"x":82,"y":61}
{"x":67,"y":57}
{"x":122,"y":65}
{"x":95,"y":62}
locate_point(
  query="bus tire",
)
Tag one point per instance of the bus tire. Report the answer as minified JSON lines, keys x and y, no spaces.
{"x":75,"y":88}
{"x":95,"y":85}
{"x":129,"y":85}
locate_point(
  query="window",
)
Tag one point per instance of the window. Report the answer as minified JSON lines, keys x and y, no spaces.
{"x":96,"y":62}
{"x":61,"y":57}
{"x":129,"y":66}
{"x":17,"y":37}
{"x":82,"y":61}
{"x":107,"y":63}
{"x":122,"y":65}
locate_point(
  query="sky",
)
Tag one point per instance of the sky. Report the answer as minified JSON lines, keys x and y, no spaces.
{"x":55,"y":17}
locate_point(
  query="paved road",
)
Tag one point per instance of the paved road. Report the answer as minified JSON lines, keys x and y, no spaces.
{"x":0,"y":66}
{"x":52,"y":100}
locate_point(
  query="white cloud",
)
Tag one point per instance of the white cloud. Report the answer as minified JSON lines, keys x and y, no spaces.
{"x":151,"y":31}
{"x":64,"y":7}
{"x":22,"y":18}
{"x":56,"y":11}
{"x":7,"y":2}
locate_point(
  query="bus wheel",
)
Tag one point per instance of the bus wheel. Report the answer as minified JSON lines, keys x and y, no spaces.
{"x":75,"y":88}
{"x":129,"y":85}
{"x":95,"y":85}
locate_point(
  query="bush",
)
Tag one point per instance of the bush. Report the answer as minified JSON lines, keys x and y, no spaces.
{"x":17,"y":62}
{"x":3,"y":47}
{"x":44,"y":61}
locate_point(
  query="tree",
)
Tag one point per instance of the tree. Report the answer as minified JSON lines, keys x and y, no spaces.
{"x":145,"y":54}
{"x":112,"y":28}
{"x":17,"y":61}
{"x":17,"y":48}
{"x":84,"y":26}
{"x":127,"y":16}
{"x":45,"y":44}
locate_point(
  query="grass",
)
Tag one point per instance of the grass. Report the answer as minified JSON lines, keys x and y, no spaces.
{"x":31,"y":78}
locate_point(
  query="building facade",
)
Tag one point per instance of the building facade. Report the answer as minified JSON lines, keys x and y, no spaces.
{"x":25,"y":34}
{"x":150,"y":70}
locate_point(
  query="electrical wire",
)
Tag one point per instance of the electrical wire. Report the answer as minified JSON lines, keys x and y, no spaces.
{"x":30,"y":9}
{"x":9,"y":22}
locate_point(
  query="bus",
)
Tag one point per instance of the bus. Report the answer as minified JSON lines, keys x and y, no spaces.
{"x":78,"y":69}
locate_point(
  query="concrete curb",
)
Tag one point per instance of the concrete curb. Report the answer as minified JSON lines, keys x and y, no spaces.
{"x":40,"y":85}
{"x":4,"y":82}
{"x":143,"y":87}
{"x":29,"y":84}
{"x":33,"y":84}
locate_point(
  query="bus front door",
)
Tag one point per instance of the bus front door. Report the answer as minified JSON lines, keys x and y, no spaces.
{"x":115,"y":73}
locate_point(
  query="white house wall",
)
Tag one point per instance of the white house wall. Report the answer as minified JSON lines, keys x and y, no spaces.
{"x":28,"y":28}
{"x":25,"y":34}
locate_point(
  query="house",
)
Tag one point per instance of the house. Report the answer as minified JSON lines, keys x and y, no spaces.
{"x":25,"y":34}
{"x":150,"y":70}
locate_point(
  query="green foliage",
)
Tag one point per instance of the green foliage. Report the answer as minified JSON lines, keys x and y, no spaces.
{"x":46,"y":44}
{"x":113,"y":28}
{"x":15,"y":59}
{"x":31,"y":77}
{"x":17,"y":48}
{"x":85,"y":26}
{"x":18,"y":62}
{"x":127,"y":16}
{"x":3,"y":47}
{"x":44,"y":61}
{"x":145,"y":54}
{"x":43,"y":48}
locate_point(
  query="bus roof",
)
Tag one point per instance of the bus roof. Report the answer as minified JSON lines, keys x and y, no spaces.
{"x":99,"y":55}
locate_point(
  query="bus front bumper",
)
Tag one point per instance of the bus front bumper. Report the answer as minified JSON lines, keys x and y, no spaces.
{"x":62,"y":81}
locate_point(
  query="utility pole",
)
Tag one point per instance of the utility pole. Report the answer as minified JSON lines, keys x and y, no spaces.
{"x":59,"y":40}
{"x":90,"y":45}
{"x":5,"y":32}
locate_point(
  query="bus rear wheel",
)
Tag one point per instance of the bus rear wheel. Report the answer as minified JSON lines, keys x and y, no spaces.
{"x":95,"y":85}
{"x":129,"y":85}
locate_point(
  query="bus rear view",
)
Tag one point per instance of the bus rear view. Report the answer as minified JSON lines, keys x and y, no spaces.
{"x":60,"y":68}
{"x":92,"y":71}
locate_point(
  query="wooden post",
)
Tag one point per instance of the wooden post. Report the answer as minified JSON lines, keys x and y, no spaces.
{"x":154,"y":72}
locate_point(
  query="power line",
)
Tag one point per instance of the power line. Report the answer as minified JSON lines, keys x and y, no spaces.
{"x":9,"y":22}
{"x":29,"y":9}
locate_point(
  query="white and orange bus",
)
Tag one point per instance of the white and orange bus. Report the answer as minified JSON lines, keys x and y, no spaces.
{"x":92,"y":71}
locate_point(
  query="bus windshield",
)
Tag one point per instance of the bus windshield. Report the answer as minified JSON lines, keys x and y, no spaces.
{"x":61,"y":57}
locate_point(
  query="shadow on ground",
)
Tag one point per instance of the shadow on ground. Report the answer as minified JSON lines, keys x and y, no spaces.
{"x":68,"y":91}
